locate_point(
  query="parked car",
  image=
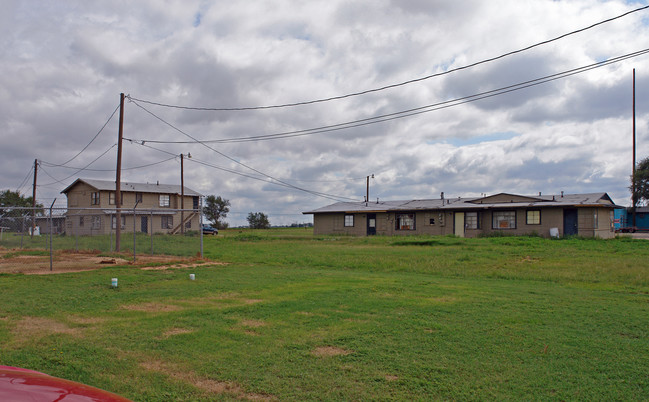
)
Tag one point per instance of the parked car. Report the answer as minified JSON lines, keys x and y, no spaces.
{"x":209,"y":230}
{"x":19,"y":384}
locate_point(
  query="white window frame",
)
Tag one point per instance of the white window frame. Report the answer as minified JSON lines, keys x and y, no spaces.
{"x":348,"y":221}
{"x":164,"y":200}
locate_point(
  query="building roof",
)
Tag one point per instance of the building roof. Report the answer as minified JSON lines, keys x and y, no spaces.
{"x":497,"y":201}
{"x":107,"y":185}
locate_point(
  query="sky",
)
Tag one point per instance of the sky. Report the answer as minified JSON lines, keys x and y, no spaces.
{"x":220,"y":80}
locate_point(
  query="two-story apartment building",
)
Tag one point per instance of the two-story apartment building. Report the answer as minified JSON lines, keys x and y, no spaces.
{"x":145,"y":207}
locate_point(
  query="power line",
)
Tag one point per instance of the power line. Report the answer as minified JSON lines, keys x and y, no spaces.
{"x":405,"y":113}
{"x":398,"y":84}
{"x":230,"y":158}
{"x":78,"y":170}
{"x":110,"y":170}
{"x":262,"y":179}
{"x":91,"y":141}
{"x":25,"y":180}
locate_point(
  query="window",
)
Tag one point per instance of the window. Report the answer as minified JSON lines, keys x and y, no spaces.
{"x":164,"y":200}
{"x":138,"y":197}
{"x":167,"y":222}
{"x":81,"y":221}
{"x":405,"y":221}
{"x":504,"y":220}
{"x":96,"y":222}
{"x":471,"y":220}
{"x":595,"y":220}
{"x":533,"y":217}
{"x":122,"y":218}
{"x":349,"y":220}
{"x":195,"y":202}
{"x":94,"y":198}
{"x":431,"y":221}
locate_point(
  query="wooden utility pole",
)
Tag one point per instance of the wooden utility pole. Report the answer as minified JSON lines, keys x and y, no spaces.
{"x":634,"y":196}
{"x":34,"y":198}
{"x":367,"y":190}
{"x":182,"y":196}
{"x":118,"y":175}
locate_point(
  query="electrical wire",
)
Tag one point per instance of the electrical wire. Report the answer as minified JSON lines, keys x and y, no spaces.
{"x":79,"y":170}
{"x":91,"y":141}
{"x":228,"y":157}
{"x":427,"y":77}
{"x":25,"y":180}
{"x":263,"y":179}
{"x":403,"y":113}
{"x":112,"y":170}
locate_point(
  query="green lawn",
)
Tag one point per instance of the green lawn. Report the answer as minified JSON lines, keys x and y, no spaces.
{"x":297,"y":317}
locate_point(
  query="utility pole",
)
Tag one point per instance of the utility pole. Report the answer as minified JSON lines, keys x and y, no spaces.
{"x":367,"y":192}
{"x":118,"y":175}
{"x":182,"y":196}
{"x":634,"y":197}
{"x":34,"y":198}
{"x":182,"y":193}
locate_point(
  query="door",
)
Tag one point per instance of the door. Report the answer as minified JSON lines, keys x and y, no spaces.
{"x":569,"y":222}
{"x":144,"y":224}
{"x":459,"y":224}
{"x":371,"y":224}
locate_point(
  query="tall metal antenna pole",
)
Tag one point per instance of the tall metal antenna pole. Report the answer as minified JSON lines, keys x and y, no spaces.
{"x":634,"y":196}
{"x":118,"y":176}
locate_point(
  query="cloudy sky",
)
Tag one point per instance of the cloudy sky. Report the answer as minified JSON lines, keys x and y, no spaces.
{"x":63,"y":65}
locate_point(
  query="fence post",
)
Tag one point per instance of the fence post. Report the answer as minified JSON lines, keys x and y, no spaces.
{"x":51,"y":230}
{"x":151,"y":231}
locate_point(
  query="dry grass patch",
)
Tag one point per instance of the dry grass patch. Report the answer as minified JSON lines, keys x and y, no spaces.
{"x":37,"y":327}
{"x":152,"y":307}
{"x":326,"y":351}
{"x":205,"y":384}
{"x":176,"y":331}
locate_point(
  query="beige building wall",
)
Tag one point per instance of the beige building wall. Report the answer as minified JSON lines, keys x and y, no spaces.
{"x":86,"y":218}
{"x":591,"y":222}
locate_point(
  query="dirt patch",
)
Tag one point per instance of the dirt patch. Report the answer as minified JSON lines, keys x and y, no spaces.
{"x":20,"y":261}
{"x":206,"y":384}
{"x":389,"y":377}
{"x":326,"y":351}
{"x":152,"y":307}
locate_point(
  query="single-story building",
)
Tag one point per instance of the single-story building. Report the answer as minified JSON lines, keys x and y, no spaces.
{"x":586,"y":215}
{"x":91,"y":208}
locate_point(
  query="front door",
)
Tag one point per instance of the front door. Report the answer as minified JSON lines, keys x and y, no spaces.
{"x":569,"y":222}
{"x":371,"y":224}
{"x":459,"y":224}
{"x":144,"y":224}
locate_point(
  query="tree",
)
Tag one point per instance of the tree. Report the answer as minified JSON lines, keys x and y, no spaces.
{"x":641,"y":181}
{"x":215,"y":210}
{"x":14,"y":204}
{"x":258,"y":220}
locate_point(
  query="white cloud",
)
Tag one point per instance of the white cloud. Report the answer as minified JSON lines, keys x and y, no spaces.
{"x":65,"y":63}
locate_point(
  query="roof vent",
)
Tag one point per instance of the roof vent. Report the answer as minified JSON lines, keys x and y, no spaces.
{"x":442,"y":195}
{"x":539,"y":193}
{"x":561,"y":193}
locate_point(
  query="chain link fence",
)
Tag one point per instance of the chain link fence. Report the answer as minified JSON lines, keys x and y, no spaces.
{"x":44,"y":238}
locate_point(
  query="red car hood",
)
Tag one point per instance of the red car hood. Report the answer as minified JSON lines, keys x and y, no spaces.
{"x":18,"y":385}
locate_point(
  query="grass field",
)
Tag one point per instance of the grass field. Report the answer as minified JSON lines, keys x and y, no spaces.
{"x":289,"y":316}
